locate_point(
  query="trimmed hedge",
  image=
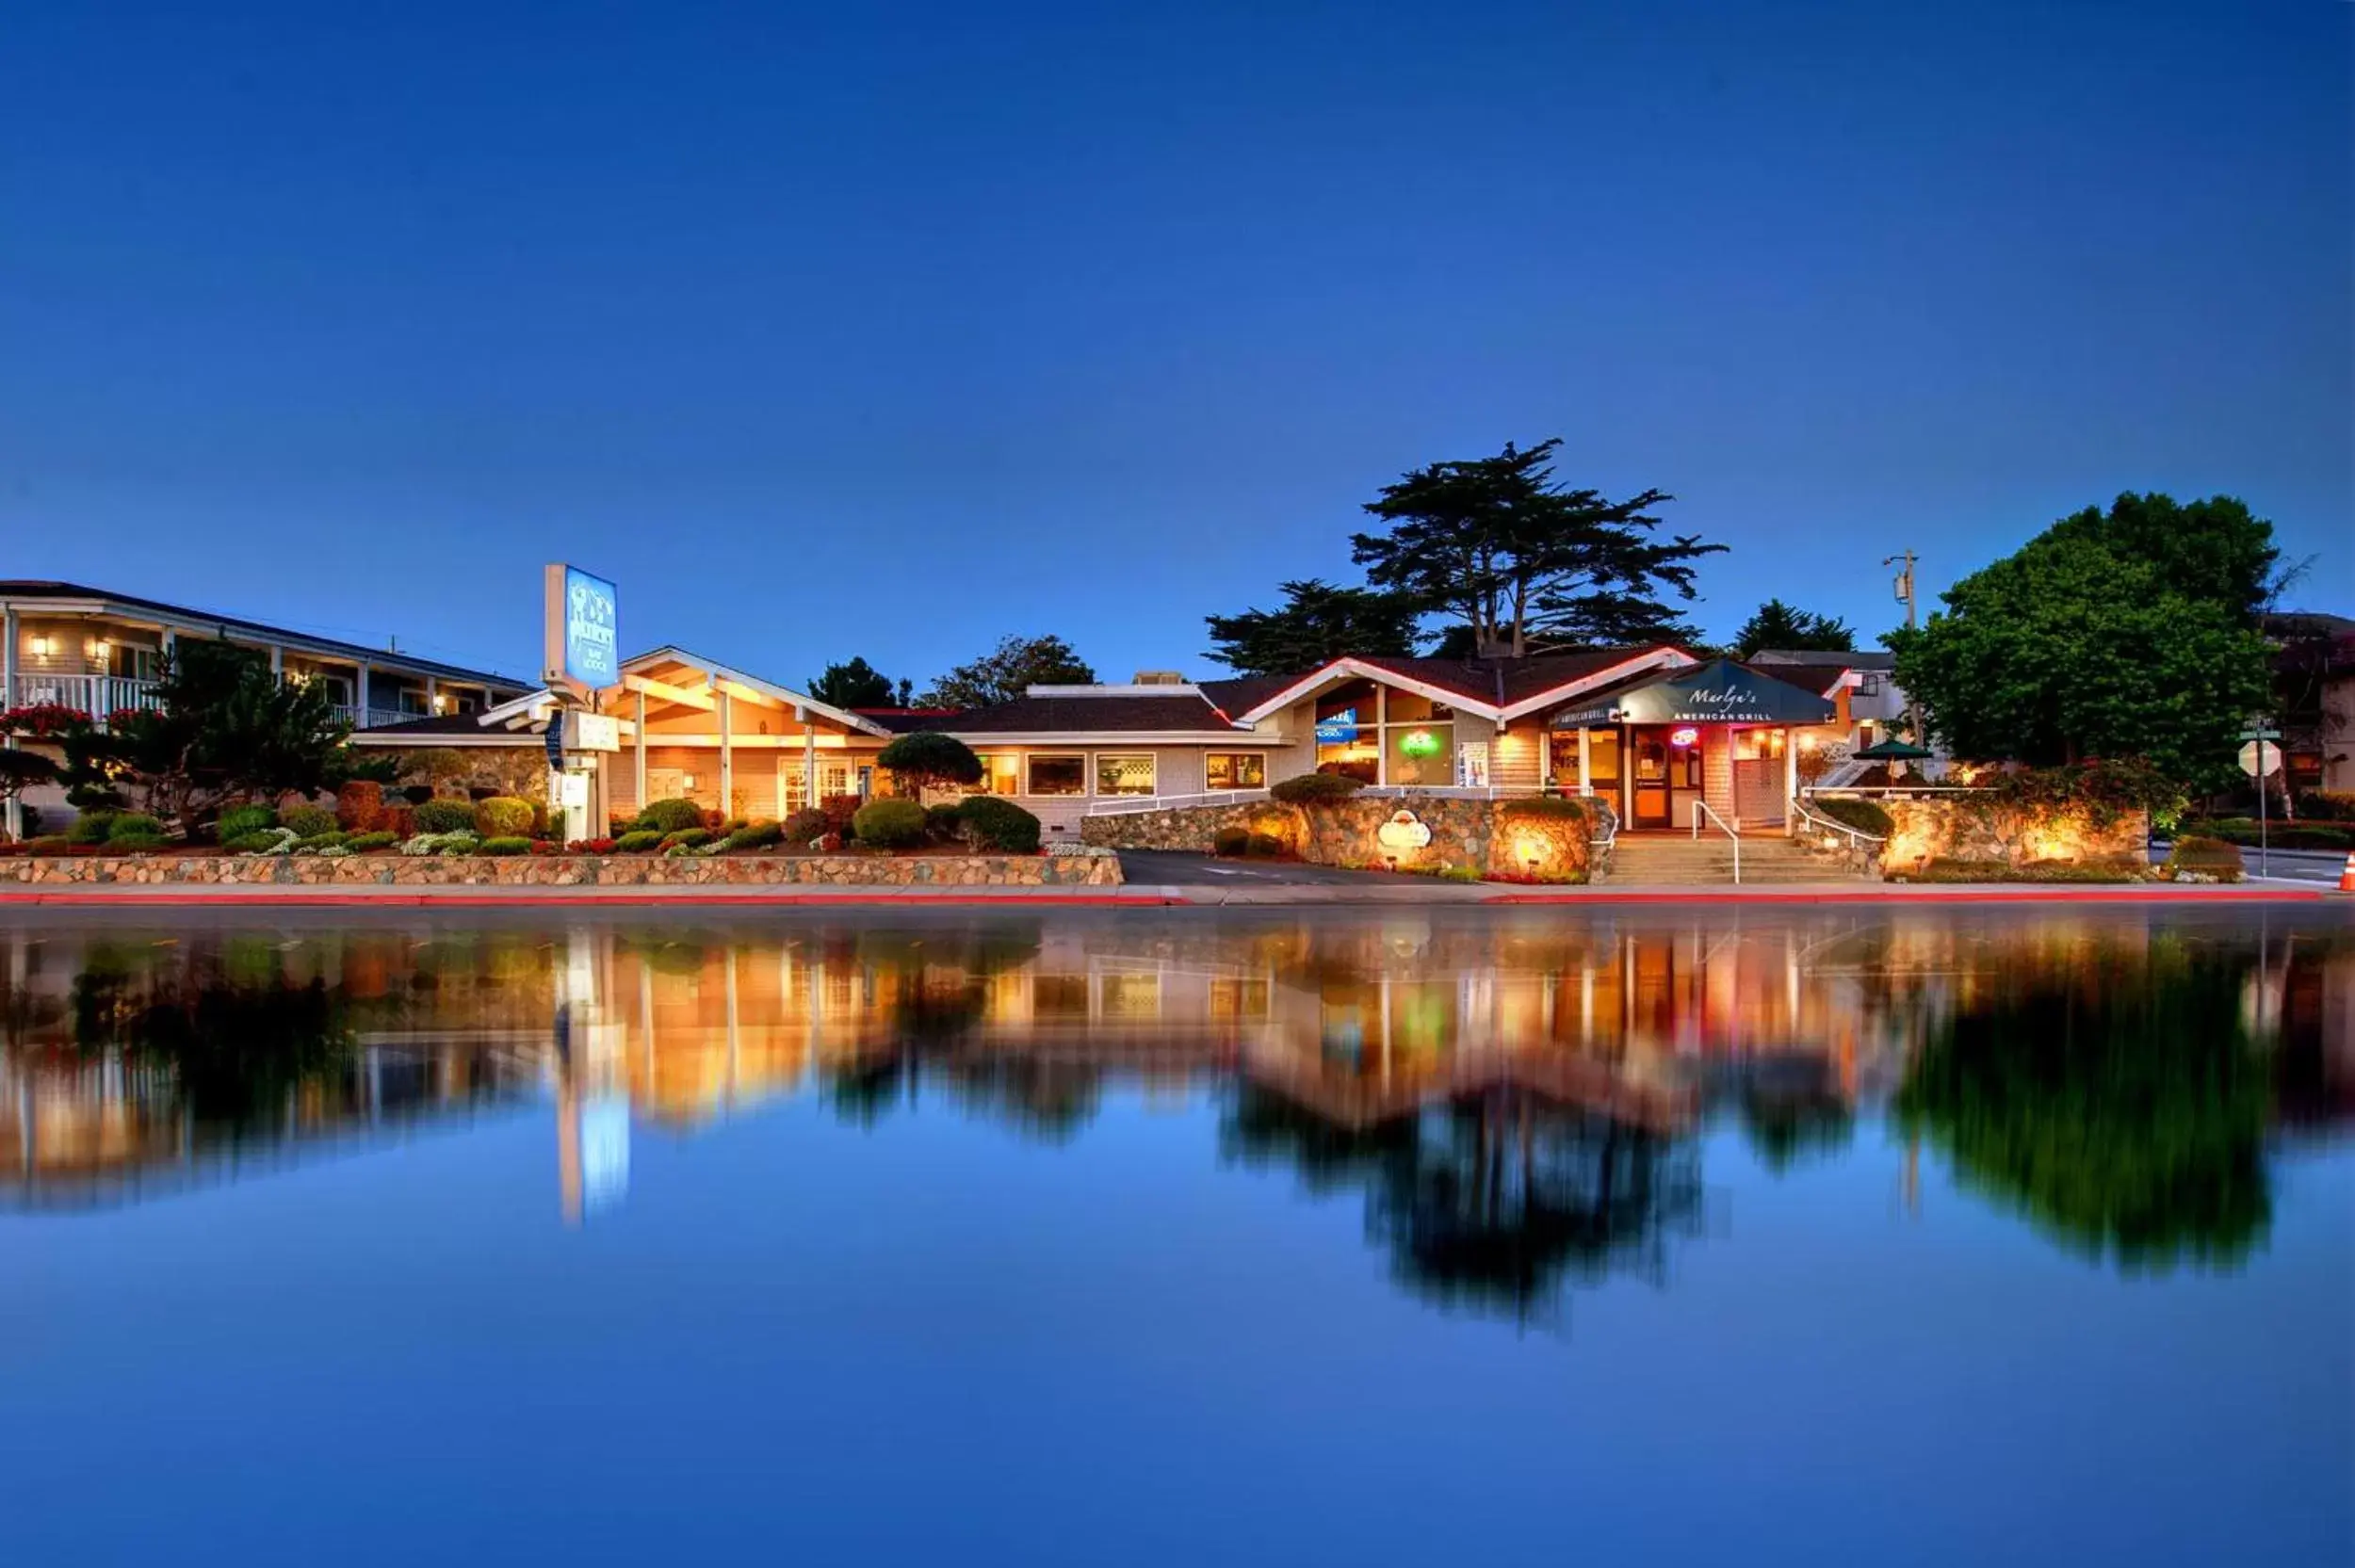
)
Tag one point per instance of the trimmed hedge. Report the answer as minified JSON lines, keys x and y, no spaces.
{"x":1863,"y":816}
{"x":804,"y":827}
{"x":638,"y":841}
{"x":134,"y":824}
{"x":503,"y":817}
{"x":91,"y":826}
{"x":240,"y":821}
{"x":445,"y":816}
{"x":1231,"y":843}
{"x":1944,"y":869}
{"x":1310,"y":789}
{"x":686,"y":838}
{"x":2205,"y":857}
{"x":359,"y":806}
{"x":670,"y":816}
{"x":361,"y":843}
{"x":506,"y":845}
{"x":890,"y":824}
{"x":1560,"y":808}
{"x":260,"y":842}
{"x":754,"y":835}
{"x":1000,"y":825}
{"x":307,"y":822}
{"x":137,"y":843}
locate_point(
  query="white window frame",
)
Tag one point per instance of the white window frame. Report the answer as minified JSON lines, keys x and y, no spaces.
{"x":1095,"y":774}
{"x":989,"y":773}
{"x":1030,"y":761}
{"x":1210,"y":789}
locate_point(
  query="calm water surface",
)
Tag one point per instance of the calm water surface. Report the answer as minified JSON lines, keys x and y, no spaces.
{"x":1130,"y":1237}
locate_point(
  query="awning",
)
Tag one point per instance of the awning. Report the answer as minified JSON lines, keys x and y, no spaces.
{"x":1717,"y":692}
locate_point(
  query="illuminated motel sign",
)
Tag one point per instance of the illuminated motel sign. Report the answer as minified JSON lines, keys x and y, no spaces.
{"x":583,"y":647}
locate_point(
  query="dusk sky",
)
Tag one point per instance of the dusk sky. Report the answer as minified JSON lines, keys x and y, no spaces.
{"x":888,"y":331}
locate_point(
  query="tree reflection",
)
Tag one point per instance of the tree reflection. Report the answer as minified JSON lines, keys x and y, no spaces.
{"x":1497,"y":1203}
{"x":2119,"y":1102}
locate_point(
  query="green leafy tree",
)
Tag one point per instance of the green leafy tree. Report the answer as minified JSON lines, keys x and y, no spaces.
{"x":1316,"y":622}
{"x":22,"y":771}
{"x":853,"y":685}
{"x":2214,"y":550}
{"x":1006,"y":671}
{"x":225,"y":727}
{"x":2068,"y":649}
{"x":931,"y":760}
{"x":1776,"y":625}
{"x":1498,"y":544}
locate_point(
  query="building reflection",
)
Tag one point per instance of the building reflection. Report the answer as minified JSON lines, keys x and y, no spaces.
{"x":1516,"y":1101}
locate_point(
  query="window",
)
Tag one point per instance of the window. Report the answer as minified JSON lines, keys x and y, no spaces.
{"x":1869,"y":684}
{"x":1124,"y":773}
{"x":1602,"y":756}
{"x":1057,"y":775}
{"x":1757,"y":745}
{"x":1234,"y":771}
{"x":1001,"y":774}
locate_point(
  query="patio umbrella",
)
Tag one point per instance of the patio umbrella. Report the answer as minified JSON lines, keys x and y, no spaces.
{"x":1892,"y":750}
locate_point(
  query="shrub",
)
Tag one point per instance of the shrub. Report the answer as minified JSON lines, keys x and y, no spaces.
{"x":754,"y":835}
{"x":669,"y":817}
{"x":262,"y":841}
{"x":307,"y":822}
{"x":733,"y":826}
{"x":458,"y":843}
{"x":930,"y":757}
{"x":1232,"y":842}
{"x":839,"y":810}
{"x":503,"y":817}
{"x":889,"y":824}
{"x":91,"y":826}
{"x":133,"y":824}
{"x":944,"y":824}
{"x":1269,"y":845}
{"x":1459,"y":874}
{"x":332,"y":839}
{"x":1863,"y":816}
{"x":2203,"y":859}
{"x":1548,"y":808}
{"x":686,"y":838}
{"x":805,"y":827}
{"x":506,"y":844}
{"x":445,"y":816}
{"x":1310,"y":789}
{"x":1000,"y":825}
{"x":359,"y":806}
{"x":240,"y":821}
{"x":400,"y":821}
{"x":360,"y":844}
{"x":2328,"y":805}
{"x":637,"y":842}
{"x":417,"y":794}
{"x":1944,"y":869}
{"x":137,"y":843}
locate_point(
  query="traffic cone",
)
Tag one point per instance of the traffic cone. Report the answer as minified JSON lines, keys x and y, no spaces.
{"x":2347,"y":874}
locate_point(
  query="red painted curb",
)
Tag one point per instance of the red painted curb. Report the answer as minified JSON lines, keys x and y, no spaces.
{"x":328,"y":898}
{"x":1957,"y":893}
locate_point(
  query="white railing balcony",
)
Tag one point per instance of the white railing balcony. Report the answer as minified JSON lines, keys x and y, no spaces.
{"x":375,"y":719}
{"x":1122,"y":805}
{"x":94,"y":695}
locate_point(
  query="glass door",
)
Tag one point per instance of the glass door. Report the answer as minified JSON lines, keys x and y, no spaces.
{"x":1649,"y":808}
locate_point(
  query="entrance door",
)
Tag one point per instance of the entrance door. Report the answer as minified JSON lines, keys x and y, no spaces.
{"x":1650,"y":806}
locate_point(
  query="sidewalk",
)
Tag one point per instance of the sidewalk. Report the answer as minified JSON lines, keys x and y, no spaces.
{"x":1415,"y":890}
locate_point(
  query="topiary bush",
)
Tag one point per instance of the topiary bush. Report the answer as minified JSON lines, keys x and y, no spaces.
{"x":638,"y":841}
{"x":929,"y":757}
{"x":999,"y":825}
{"x":889,"y":824}
{"x":2204,"y":860}
{"x":238,"y":822}
{"x":1232,"y":843}
{"x":306,"y":821}
{"x":1312,"y":790}
{"x":91,"y":826}
{"x":805,"y":827}
{"x":669,"y":817}
{"x":445,"y":816}
{"x":754,"y":835}
{"x":944,"y":824}
{"x":134,"y":824}
{"x":507,"y":844}
{"x":1863,"y":816}
{"x":359,"y":806}
{"x":503,"y":817}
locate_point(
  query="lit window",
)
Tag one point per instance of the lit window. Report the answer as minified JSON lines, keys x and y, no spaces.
{"x":1119,"y":773}
{"x":1234,"y":771}
{"x":1001,"y":774}
{"x":1057,"y":775}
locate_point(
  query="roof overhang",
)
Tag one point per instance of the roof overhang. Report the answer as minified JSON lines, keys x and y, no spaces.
{"x":1717,"y":692}
{"x":721,"y":677}
{"x":1664,"y":655}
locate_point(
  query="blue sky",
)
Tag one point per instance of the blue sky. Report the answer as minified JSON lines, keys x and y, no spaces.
{"x":890,"y":330}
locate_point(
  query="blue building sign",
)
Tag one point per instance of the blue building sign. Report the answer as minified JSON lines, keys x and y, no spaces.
{"x":584,"y":640}
{"x":1338,"y":728}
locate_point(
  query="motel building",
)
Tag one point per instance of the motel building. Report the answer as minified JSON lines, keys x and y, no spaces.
{"x":1654,"y":732}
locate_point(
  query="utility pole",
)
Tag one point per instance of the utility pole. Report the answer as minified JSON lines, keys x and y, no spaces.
{"x":1905,"y":596}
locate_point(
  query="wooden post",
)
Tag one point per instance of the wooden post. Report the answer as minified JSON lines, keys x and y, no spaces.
{"x":1586,"y":774}
{"x":16,"y":822}
{"x":639,"y":730}
{"x":1790,"y":783}
{"x":809,"y":757}
{"x":728,"y":757}
{"x":359,"y":697}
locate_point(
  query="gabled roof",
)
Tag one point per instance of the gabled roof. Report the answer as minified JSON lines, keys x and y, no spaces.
{"x":74,"y":598}
{"x":713,"y":669}
{"x":1487,"y":688}
{"x":1120,"y":713}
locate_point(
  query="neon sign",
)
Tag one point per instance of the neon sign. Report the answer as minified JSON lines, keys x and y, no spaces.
{"x":1685,"y":737}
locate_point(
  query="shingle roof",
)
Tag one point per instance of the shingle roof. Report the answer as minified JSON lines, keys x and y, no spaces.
{"x":440,"y":723}
{"x":37,"y":589}
{"x":1083,"y":715}
{"x":1869,"y":658}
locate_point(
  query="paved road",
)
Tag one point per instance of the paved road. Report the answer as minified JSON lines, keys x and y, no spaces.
{"x":2289,"y":865}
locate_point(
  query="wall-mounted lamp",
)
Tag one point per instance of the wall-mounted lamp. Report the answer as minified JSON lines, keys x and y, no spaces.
{"x":43,"y":646}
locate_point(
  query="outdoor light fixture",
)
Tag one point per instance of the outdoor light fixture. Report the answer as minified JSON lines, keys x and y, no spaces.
{"x":1685,"y":736}
{"x":1532,"y":850}
{"x":40,"y":645}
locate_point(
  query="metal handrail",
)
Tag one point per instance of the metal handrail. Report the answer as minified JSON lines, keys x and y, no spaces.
{"x":1701,"y":809}
{"x":1833,"y":824}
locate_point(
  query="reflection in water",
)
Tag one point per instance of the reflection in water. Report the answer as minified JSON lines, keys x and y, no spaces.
{"x":1517,"y":1101}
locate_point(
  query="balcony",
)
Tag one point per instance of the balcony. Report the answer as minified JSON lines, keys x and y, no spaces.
{"x":376,"y":719}
{"x":95,"y":695}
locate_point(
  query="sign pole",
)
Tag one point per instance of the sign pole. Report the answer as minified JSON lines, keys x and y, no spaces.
{"x":2253,"y":760}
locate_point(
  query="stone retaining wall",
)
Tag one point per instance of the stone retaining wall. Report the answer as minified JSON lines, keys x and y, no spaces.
{"x":1488,"y":836}
{"x":1964,"y":827}
{"x":1048,"y":870}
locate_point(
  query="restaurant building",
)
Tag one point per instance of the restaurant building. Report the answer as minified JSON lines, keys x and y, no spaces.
{"x":1654,"y":731}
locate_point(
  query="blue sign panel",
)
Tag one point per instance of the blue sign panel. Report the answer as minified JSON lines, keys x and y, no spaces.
{"x":1338,"y":728}
{"x":593,"y":649}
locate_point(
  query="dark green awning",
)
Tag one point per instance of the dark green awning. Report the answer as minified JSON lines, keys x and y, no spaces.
{"x":1717,"y":692}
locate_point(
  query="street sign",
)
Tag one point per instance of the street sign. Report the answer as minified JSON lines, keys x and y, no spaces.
{"x":2250,"y":756}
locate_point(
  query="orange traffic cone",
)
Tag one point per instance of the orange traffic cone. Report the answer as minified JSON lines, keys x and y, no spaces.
{"x":2346,"y":875}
